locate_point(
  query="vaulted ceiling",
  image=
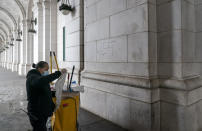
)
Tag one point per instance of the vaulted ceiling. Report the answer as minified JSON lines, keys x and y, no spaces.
{"x":11,"y":12}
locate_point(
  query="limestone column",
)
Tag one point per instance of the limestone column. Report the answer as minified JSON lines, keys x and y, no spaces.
{"x":38,"y":37}
{"x":11,"y":59}
{"x":4,"y":64}
{"x":1,"y":58}
{"x":7,"y":57}
{"x":10,"y":56}
{"x":179,"y":77}
{"x":46,"y":30}
{"x":123,"y":58}
{"x":29,"y":50}
{"x":3,"y":53}
{"x":15,"y":56}
{"x":22,"y":67}
{"x":53,"y":25}
{"x":19,"y":52}
{"x":7,"y":62}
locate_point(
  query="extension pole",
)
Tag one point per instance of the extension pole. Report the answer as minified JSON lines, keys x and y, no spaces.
{"x":51,"y":63}
{"x":68,"y":81}
{"x":71,"y":78}
{"x":56,"y":60}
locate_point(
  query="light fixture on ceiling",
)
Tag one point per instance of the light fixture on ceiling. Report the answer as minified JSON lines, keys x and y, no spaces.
{"x":65,"y":7}
{"x":18,"y":37}
{"x":6,"y":46}
{"x":12,"y":38}
{"x":32,"y":30}
{"x":11,"y":43}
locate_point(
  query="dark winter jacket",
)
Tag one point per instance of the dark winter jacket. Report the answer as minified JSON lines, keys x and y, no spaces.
{"x":39,"y":93}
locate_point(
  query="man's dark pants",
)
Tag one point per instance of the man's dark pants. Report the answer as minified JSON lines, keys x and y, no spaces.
{"x":38,"y":122}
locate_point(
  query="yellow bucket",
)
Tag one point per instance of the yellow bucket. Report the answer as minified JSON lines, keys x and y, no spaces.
{"x":65,"y":117}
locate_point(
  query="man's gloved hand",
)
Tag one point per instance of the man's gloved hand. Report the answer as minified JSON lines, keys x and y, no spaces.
{"x":58,"y":73}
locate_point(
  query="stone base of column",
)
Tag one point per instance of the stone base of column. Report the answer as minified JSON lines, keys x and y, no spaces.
{"x":4,"y":65}
{"x":181,"y":110}
{"x":9,"y":66}
{"x":22,"y":69}
{"x":134,"y":105}
{"x":14,"y":67}
{"x":119,"y":99}
{"x":28,"y":67}
{"x":1,"y":64}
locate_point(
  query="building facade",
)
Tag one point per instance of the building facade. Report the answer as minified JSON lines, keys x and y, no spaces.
{"x":139,"y":60}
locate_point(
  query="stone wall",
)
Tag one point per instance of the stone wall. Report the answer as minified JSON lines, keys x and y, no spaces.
{"x":141,"y":63}
{"x":180,"y":85}
{"x":198,"y":9}
{"x":73,"y":24}
{"x":120,"y":56}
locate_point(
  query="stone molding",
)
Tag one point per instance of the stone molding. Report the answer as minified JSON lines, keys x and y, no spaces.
{"x":145,"y":82}
{"x":180,"y":92}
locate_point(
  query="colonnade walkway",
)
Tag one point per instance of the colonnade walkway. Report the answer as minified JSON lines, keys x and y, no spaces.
{"x":13,"y":98}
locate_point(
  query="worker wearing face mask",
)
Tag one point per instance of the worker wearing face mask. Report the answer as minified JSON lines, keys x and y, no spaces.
{"x":40,"y":104}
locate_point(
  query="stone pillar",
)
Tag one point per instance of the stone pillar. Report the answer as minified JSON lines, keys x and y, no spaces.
{"x":53,"y":25}
{"x":179,"y":76}
{"x":120,"y":67}
{"x":11,"y":58}
{"x":7,"y":57}
{"x":1,"y":60}
{"x":3,"y":53}
{"x":14,"y":55}
{"x":46,"y":30}
{"x":29,"y":50}
{"x":19,"y":52}
{"x":38,"y":37}
{"x":4,"y":59}
{"x":15,"y":52}
{"x":22,"y":66}
{"x":198,"y":36}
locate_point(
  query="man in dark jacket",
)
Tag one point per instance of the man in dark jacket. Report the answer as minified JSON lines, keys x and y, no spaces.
{"x":40,"y":104}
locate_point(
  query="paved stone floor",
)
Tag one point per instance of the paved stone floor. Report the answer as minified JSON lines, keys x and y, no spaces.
{"x":13,"y":98}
